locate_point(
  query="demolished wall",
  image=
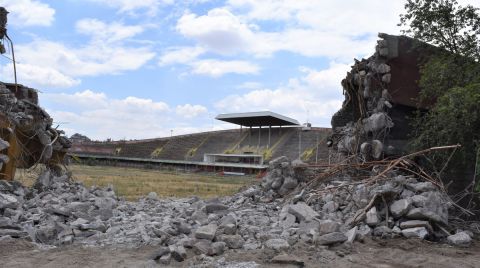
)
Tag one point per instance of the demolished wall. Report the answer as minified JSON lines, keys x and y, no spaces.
{"x":380,"y":94}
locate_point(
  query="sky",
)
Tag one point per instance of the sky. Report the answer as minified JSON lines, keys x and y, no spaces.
{"x":126,"y":69}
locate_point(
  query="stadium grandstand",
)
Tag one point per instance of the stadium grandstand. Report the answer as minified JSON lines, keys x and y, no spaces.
{"x":261,"y":136}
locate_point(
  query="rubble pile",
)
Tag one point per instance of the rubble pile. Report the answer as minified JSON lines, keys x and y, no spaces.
{"x":373,"y":119}
{"x":57,"y":211}
{"x":31,"y":126}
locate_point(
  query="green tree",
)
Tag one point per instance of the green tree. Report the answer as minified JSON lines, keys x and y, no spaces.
{"x":450,"y":76}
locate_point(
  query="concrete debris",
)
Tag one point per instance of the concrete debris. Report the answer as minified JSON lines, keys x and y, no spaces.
{"x":415,"y":232}
{"x":461,"y":239}
{"x":59,"y":211}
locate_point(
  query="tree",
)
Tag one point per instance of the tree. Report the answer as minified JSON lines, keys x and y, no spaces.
{"x":451,"y":76}
{"x":444,"y":23}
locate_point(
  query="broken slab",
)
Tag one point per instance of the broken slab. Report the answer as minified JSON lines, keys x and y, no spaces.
{"x":302,"y":211}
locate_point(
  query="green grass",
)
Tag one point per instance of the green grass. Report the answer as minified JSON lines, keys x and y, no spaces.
{"x":133,"y":183}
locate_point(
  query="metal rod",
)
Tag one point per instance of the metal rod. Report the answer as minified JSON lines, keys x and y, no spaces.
{"x":14,"y":62}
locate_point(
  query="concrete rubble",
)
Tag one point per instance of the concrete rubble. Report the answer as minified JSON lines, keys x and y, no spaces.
{"x":58,"y":212}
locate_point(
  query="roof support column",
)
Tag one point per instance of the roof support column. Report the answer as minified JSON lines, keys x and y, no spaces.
{"x":259,"y":133}
{"x":269,"y":134}
{"x":250,"y":136}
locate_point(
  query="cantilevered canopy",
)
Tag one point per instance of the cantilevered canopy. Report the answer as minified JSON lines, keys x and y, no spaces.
{"x":258,"y":119}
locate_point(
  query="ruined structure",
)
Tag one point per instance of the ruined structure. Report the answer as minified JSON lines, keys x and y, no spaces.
{"x":27,"y":136}
{"x":380,"y":94}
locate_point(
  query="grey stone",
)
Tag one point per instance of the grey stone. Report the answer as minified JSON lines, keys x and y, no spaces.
{"x":416,"y":232}
{"x":421,"y":187}
{"x":8,"y":201}
{"x":217,"y":248}
{"x":425,"y":214}
{"x":330,"y":207}
{"x":331,"y":238}
{"x":232,"y":241}
{"x":13,"y":233}
{"x":202,"y":247}
{"x":351,"y":234}
{"x":328,"y":226}
{"x":419,"y":200}
{"x":372,"y":217}
{"x":152,"y":196}
{"x":302,"y":211}
{"x":165,"y":259}
{"x":277,"y":162}
{"x":383,"y":68}
{"x":214,"y":207}
{"x":415,"y":223}
{"x":400,"y":207}
{"x":159,"y":253}
{"x":277,"y":244}
{"x":206,"y":232}
{"x":461,"y":239}
{"x":382,"y":231}
{"x":4,"y":144}
{"x":178,"y":253}
{"x":289,"y":221}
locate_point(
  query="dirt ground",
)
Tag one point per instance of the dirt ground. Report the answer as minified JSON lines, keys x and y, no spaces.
{"x":379,"y":253}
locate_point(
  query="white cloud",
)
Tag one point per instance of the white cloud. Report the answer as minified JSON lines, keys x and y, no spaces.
{"x":35,"y":76}
{"x":182,"y":55}
{"x":317,"y":93}
{"x":190,"y":111}
{"x":334,"y":29}
{"x":217,"y":68}
{"x":219,"y":30}
{"x":104,"y":32}
{"x":98,"y":116}
{"x":249,"y":85}
{"x":28,"y":13}
{"x":132,"y":7}
{"x":56,"y":64}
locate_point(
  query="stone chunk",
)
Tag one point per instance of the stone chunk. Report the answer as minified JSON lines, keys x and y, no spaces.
{"x":425,"y":214}
{"x":328,"y":226}
{"x":331,"y":238}
{"x":400,"y":207}
{"x":351,"y":234}
{"x":217,"y":249}
{"x":233,"y":241}
{"x":277,"y":244}
{"x":421,"y":187}
{"x":372,"y":217}
{"x":8,"y":201}
{"x":461,"y":239}
{"x":302,"y":211}
{"x":416,"y":232}
{"x":213,"y":207}
{"x":206,"y":232}
{"x":159,"y":253}
{"x":415,"y":223}
{"x":202,"y":247}
{"x":178,"y":253}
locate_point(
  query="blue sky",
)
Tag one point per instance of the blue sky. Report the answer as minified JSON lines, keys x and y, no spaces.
{"x":138,"y":69}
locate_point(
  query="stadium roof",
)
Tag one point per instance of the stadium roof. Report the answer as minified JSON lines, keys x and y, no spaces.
{"x":256,"y":119}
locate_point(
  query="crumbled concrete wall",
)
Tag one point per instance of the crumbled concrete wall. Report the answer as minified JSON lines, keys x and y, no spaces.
{"x":380,"y":94}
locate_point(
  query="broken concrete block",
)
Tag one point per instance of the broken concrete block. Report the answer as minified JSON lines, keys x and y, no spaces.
{"x":206,"y":232}
{"x":400,"y":207}
{"x":461,"y":239}
{"x":351,"y":234}
{"x":302,"y":211}
{"x":416,"y":232}
{"x":277,"y":244}
{"x":372,"y":217}
{"x":331,"y":238}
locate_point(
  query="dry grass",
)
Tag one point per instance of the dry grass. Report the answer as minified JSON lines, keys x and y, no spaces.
{"x":133,"y":183}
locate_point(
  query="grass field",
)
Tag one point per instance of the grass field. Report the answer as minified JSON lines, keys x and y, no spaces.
{"x":133,"y":183}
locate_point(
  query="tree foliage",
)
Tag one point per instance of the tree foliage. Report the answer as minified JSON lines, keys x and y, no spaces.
{"x":451,"y":76}
{"x":444,"y":23}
